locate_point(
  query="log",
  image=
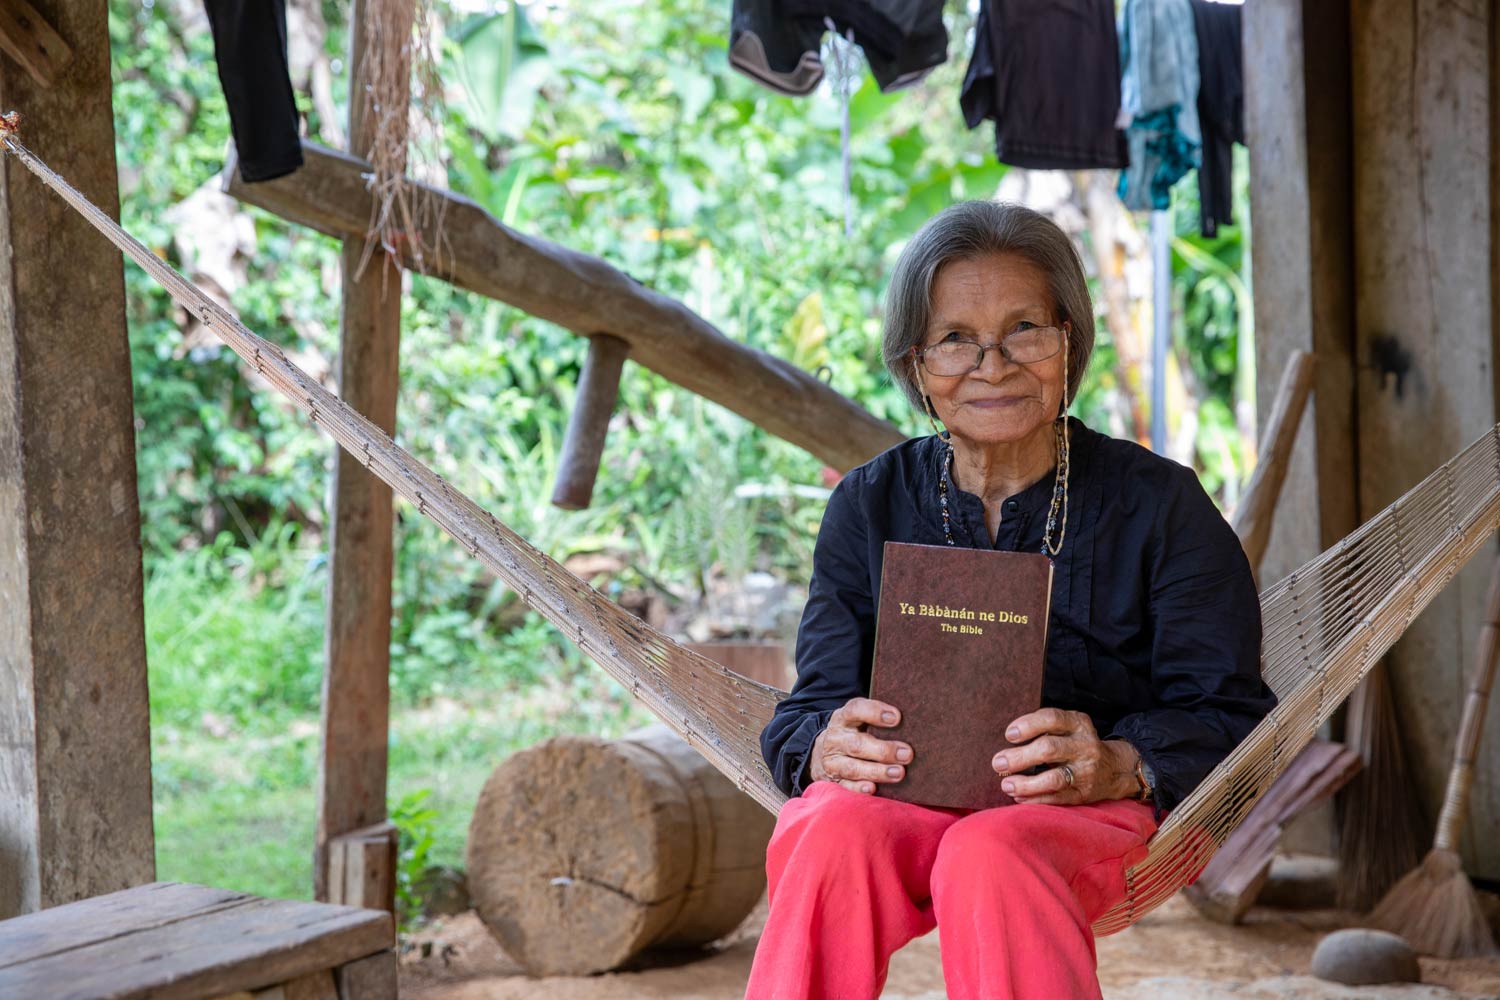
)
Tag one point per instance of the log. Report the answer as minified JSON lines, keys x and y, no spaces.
{"x":588,"y":296}
{"x":583,"y":852}
{"x":1253,"y":518}
{"x":1230,"y":882}
{"x":594,"y":404}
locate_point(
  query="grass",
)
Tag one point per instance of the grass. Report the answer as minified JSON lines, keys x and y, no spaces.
{"x":234,"y":646}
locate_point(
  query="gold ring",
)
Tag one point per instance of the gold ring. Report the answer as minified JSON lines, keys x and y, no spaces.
{"x":1068,"y":775}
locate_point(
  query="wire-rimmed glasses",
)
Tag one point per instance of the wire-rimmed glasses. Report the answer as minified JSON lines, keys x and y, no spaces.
{"x":1021,"y":347}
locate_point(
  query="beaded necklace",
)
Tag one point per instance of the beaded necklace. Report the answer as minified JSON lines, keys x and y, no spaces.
{"x":1059,"y":493}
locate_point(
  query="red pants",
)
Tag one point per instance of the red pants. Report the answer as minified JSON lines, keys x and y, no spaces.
{"x":1015,"y":889}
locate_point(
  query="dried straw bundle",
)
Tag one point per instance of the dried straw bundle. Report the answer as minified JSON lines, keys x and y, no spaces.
{"x":402,"y":101}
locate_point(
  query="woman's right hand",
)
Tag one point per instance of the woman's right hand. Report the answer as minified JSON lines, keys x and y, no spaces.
{"x":845,"y":753}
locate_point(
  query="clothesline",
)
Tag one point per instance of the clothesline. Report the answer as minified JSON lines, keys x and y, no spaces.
{"x":1155,"y":95}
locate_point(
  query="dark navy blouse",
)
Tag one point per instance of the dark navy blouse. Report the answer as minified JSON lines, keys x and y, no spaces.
{"x":1155,"y":627}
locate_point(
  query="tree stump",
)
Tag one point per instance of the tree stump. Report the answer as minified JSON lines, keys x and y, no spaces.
{"x":584,"y":852}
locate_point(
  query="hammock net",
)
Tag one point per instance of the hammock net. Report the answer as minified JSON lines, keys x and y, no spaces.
{"x":1325,"y":625}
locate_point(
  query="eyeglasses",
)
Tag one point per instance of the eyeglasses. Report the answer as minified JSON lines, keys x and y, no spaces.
{"x":1022,"y":347}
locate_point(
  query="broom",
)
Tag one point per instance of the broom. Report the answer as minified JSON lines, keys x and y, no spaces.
{"x":1434,"y":906}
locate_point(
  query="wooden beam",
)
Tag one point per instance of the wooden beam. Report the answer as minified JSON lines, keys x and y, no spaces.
{"x":588,"y":296}
{"x":1427,"y":356}
{"x":356,"y":679}
{"x":75,"y":747}
{"x":27,"y":38}
{"x":1257,"y":510}
{"x":593,"y":405}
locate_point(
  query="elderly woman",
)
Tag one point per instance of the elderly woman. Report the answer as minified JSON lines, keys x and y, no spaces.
{"x":1153,"y":657}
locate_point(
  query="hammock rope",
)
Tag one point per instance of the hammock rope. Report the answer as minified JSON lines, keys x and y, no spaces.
{"x":1325,"y":625}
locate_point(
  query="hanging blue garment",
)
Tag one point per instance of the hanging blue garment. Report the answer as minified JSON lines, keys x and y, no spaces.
{"x":1158,"y":99}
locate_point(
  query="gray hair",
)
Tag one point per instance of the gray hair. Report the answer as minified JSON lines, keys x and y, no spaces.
{"x":966,"y":231}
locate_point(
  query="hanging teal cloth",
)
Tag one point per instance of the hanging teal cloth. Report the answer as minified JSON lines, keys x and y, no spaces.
{"x":1158,"y":99}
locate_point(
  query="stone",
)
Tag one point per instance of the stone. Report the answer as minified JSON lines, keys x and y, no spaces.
{"x":1360,"y":956}
{"x":444,"y":891}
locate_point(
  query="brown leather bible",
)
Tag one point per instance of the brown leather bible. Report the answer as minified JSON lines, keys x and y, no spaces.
{"x":960,"y":644}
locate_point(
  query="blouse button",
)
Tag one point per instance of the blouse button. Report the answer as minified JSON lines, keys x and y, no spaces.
{"x":1011,"y":506}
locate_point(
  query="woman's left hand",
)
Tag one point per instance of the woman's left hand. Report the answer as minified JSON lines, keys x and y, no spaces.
{"x":1101,"y":769}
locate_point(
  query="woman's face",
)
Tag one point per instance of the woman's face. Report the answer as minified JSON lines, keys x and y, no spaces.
{"x":983,"y":300}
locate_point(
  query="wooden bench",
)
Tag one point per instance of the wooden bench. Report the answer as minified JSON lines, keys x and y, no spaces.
{"x":175,"y":941}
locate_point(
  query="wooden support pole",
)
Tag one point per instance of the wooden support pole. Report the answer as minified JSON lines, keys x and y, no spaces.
{"x":588,"y":296}
{"x":594,"y":404}
{"x":1297,"y":87}
{"x":75,"y":747}
{"x":1257,"y":509}
{"x":356,"y":681}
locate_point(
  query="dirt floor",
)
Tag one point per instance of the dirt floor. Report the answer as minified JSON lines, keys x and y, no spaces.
{"x":1171,"y":954}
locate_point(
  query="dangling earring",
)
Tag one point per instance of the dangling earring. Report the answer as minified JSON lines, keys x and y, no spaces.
{"x":928,"y":410}
{"x":1057,"y":514}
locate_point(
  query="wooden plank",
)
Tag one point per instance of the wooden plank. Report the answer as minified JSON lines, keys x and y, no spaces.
{"x":372,"y":978}
{"x":129,"y":911}
{"x":593,"y":405}
{"x":588,"y":296}
{"x":1425,"y":336}
{"x":75,"y":749}
{"x":256,"y":944}
{"x":27,"y":38}
{"x":1228,"y":885}
{"x":362,"y":868}
{"x":356,"y":679}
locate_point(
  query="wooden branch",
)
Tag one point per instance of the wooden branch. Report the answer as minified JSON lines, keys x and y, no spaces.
{"x":27,"y":38}
{"x":1257,"y":510}
{"x":1233,"y":878}
{"x":594,"y":404}
{"x":588,"y":296}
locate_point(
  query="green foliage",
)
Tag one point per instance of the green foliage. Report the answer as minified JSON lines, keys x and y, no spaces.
{"x":614,"y":128}
{"x":416,"y":822}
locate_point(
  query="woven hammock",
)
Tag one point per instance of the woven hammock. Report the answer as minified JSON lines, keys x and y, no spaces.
{"x":1325,"y":625}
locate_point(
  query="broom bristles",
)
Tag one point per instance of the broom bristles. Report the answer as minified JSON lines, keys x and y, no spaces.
{"x":1434,"y":907}
{"x":1380,"y":836}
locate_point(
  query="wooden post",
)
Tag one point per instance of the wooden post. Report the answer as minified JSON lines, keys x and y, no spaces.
{"x":356,"y":682}
{"x":593,"y":405}
{"x":1421,"y":109}
{"x":1301,"y":159}
{"x":75,"y":748}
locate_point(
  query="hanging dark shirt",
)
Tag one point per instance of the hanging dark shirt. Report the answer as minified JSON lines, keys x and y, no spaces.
{"x":1155,"y":622}
{"x":1047,"y":72}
